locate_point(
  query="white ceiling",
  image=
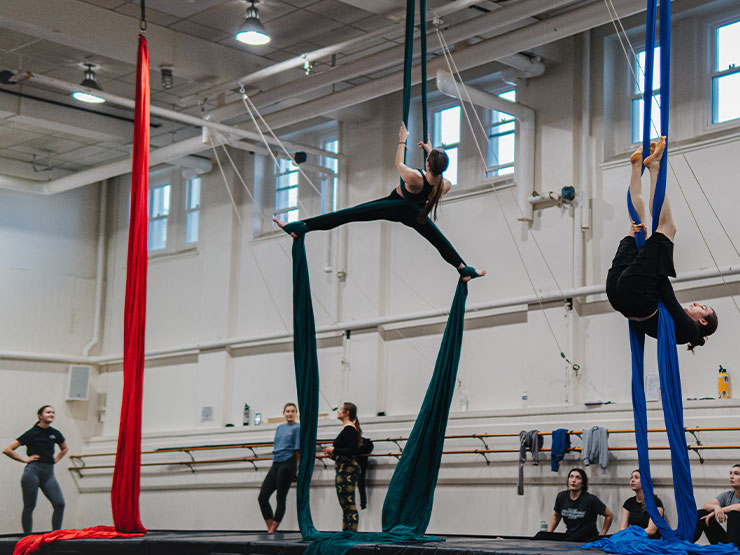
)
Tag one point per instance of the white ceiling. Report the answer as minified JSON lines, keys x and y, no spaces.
{"x":55,"y":37}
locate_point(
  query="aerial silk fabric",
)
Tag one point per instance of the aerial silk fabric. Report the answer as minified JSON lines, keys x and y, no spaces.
{"x":126,"y":476}
{"x":125,"y":489}
{"x":634,"y":540}
{"x":678,"y":540}
{"x":408,"y":504}
{"x":31,"y":544}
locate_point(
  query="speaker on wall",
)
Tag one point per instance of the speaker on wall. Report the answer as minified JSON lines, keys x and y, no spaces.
{"x":78,"y":382}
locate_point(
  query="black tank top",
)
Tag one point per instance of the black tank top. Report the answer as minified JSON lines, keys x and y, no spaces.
{"x":420,"y":197}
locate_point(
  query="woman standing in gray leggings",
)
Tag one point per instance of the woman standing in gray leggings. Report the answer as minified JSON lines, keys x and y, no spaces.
{"x":39,"y":471}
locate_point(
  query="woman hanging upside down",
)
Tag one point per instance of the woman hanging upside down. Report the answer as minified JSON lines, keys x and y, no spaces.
{"x":637,"y":280}
{"x":410,"y":204}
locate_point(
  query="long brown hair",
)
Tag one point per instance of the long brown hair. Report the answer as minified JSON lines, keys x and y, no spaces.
{"x":438,"y":162}
{"x":704,"y":330}
{"x":351,"y":409}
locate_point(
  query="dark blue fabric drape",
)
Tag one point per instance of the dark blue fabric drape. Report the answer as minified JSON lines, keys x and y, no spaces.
{"x":633,"y":540}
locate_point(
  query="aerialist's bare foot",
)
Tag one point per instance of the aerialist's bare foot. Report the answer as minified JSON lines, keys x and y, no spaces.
{"x":481,"y":273}
{"x":657,"y":148}
{"x":468,"y":272}
{"x":281,"y":225}
{"x":636,"y":158}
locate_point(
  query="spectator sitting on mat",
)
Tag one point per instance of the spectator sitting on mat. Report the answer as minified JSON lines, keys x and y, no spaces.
{"x":634,"y":512}
{"x":723,"y":508}
{"x":579,"y":509}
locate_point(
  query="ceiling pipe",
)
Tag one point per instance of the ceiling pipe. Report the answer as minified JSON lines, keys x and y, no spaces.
{"x":299,"y":61}
{"x":534,"y":35}
{"x":375,"y":62}
{"x":172,"y":115}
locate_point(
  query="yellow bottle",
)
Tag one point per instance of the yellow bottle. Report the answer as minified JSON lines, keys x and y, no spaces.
{"x":724,"y":387}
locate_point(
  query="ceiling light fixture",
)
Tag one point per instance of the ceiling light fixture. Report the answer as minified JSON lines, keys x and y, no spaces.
{"x":252,"y":31}
{"x":89,"y":82}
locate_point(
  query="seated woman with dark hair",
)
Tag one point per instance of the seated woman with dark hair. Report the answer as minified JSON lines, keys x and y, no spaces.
{"x":579,"y":509}
{"x":634,"y":512}
{"x":638,"y":279}
{"x":723,"y":508}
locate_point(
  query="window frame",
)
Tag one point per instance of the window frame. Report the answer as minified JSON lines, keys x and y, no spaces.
{"x":712,"y":74}
{"x":440,"y":106}
{"x":176,"y":223}
{"x":187,"y":210}
{"x":276,"y":211}
{"x":329,"y":204}
{"x":488,"y":175}
{"x":636,"y":95}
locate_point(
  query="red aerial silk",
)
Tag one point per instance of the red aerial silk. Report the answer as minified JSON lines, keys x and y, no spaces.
{"x":29,"y":544}
{"x":125,"y":490}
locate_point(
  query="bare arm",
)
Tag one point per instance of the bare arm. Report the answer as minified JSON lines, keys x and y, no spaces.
{"x":554,"y":521}
{"x":608,"y":517}
{"x":62,"y":451}
{"x":9,"y":451}
{"x":625,"y":519}
{"x":652,"y":529}
{"x":409,"y":176}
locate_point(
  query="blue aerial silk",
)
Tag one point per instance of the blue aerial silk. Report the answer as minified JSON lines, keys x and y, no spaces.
{"x":408,"y":503}
{"x":679,"y":540}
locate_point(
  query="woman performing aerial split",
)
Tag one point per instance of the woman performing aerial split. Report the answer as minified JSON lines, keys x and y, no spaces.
{"x":638,"y":280}
{"x":410,"y":203}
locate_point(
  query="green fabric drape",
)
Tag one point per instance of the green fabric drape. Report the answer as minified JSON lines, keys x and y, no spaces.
{"x":408,"y":504}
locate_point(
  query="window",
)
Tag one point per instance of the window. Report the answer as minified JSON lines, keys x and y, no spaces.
{"x":329,"y":192}
{"x":159,"y":211}
{"x":726,"y":73}
{"x":637,"y":101}
{"x":446,"y":134}
{"x":286,"y":191}
{"x":192,"y":210}
{"x":501,"y":140}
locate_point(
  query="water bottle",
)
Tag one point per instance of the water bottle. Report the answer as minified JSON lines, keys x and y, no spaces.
{"x":543,"y":526}
{"x":724,"y":389}
{"x":245,"y":420}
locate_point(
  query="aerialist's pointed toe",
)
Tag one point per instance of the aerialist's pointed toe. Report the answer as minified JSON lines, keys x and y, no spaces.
{"x":470,"y":273}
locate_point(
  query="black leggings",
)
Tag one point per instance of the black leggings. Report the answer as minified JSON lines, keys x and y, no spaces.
{"x":37,"y":476}
{"x":714,"y":531}
{"x":279,"y":478}
{"x":583,"y":535}
{"x":393,"y":208}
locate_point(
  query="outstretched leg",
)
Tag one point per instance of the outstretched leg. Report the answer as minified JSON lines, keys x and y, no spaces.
{"x":382,"y":209}
{"x":638,"y":198}
{"x":666,"y":225}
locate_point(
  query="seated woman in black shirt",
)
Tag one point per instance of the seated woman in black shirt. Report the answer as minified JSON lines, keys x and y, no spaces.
{"x":637,"y":280}
{"x":579,"y":509}
{"x":344,"y":452}
{"x":634,"y":512}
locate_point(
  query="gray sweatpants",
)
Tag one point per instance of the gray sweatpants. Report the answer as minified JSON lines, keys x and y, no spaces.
{"x":40,"y":475}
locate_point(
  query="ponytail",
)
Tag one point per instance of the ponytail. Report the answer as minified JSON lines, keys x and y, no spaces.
{"x":705,"y":330}
{"x":438,"y":162}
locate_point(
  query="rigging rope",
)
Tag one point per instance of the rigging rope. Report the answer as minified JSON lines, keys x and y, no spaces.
{"x":450,"y":63}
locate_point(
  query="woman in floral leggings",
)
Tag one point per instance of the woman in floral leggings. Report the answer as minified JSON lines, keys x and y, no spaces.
{"x":344,"y":452}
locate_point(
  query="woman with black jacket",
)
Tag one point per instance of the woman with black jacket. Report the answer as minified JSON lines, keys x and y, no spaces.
{"x":344,"y":452}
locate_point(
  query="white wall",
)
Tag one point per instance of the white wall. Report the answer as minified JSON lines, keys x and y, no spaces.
{"x":237,"y":286}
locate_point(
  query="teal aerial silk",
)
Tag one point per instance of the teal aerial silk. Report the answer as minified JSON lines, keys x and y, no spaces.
{"x":408,"y":503}
{"x":678,"y":541}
